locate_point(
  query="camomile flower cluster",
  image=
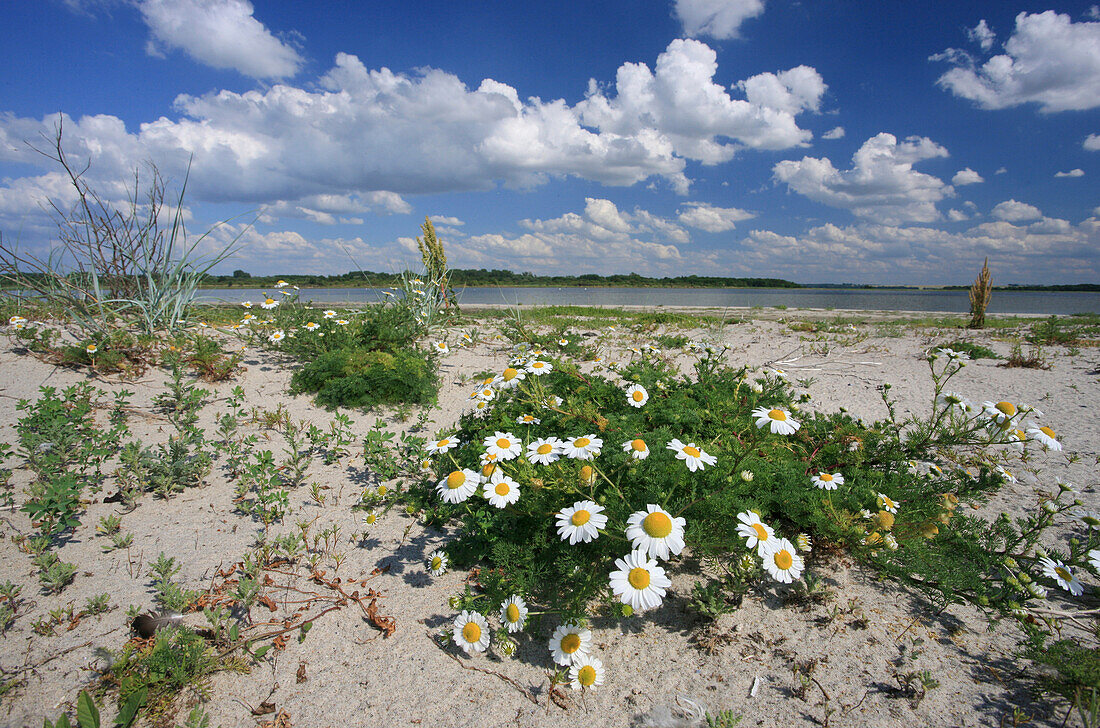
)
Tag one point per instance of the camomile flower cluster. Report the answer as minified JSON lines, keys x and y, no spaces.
{"x":779,"y":557}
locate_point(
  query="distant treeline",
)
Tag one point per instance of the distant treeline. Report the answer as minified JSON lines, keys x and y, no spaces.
{"x":481,"y":277}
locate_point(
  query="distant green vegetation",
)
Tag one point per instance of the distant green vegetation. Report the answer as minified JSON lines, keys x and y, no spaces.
{"x":481,"y":277}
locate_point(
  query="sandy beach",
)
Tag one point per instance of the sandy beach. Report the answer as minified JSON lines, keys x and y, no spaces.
{"x":662,"y":667}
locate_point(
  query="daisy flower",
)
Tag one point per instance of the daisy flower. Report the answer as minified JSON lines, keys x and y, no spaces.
{"x":503,"y":444}
{"x":887,"y":504}
{"x":481,"y":406}
{"x":342,"y":322}
{"x":544,"y":451}
{"x":370,"y":518}
{"x":1060,"y":573}
{"x":91,"y":348}
{"x":553,"y":401}
{"x":501,"y":490}
{"x":581,"y":522}
{"x":281,"y":284}
{"x":563,"y":342}
{"x":759,"y":535}
{"x":528,"y":420}
{"x":636,"y":396}
{"x":510,"y":377}
{"x":458,"y":486}
{"x":804,"y":542}
{"x":269,"y":303}
{"x":779,"y":420}
{"x":586,"y":673}
{"x":781,"y":561}
{"x":329,"y":313}
{"x":1003,"y":413}
{"x":1045,"y":436}
{"x":247,"y":317}
{"x":656,"y":532}
{"x":426,"y":466}
{"x":582,"y":448}
{"x":637,"y":449}
{"x":778,"y":373}
{"x":1094,"y":559}
{"x":247,"y":304}
{"x":747,"y":476}
{"x":691,"y":455}
{"x":1089,"y":518}
{"x":485,"y":394}
{"x":441,"y":347}
{"x":277,"y":336}
{"x":513,"y":613}
{"x":639,"y":581}
{"x":570,"y":643}
{"x":445,"y":445}
{"x":437,"y":563}
{"x":951,"y":400}
{"x":471,"y":632}
{"x":828,"y":481}
{"x":538,"y":368}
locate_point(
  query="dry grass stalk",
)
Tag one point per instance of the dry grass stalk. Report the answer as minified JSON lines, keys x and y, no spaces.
{"x":979,"y":296}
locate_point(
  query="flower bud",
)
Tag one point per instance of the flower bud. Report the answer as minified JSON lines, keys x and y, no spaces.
{"x":747,"y":476}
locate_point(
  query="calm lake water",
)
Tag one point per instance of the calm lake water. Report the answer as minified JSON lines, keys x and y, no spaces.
{"x":1035,"y":302}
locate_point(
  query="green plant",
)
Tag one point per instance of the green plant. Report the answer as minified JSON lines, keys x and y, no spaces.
{"x":971,"y":349}
{"x":53,"y":573}
{"x":358,"y":378}
{"x":125,"y":265}
{"x":170,"y":595}
{"x":1032,"y":360}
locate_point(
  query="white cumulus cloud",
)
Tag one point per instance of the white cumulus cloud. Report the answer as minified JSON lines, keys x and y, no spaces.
{"x":1071,"y":173}
{"x":837,"y":132}
{"x":982,"y":35}
{"x":882,"y":184}
{"x":719,"y":19}
{"x":713,"y":219}
{"x":219,"y":33}
{"x":697,"y":118}
{"x":966,"y":177}
{"x":1092,"y":143}
{"x":1049,"y":60}
{"x":1015,"y":211}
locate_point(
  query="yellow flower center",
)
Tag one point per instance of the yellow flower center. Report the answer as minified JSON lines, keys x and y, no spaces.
{"x":586,"y":676}
{"x":580,"y":517}
{"x":692,"y":451}
{"x":1007,"y":408}
{"x":545,"y":448}
{"x":504,"y":443}
{"x":588,"y":475}
{"x":471,"y":632}
{"x":638,"y":578}
{"x":657,"y":525}
{"x":777,"y":414}
{"x":436,"y":563}
{"x":1048,"y":432}
{"x":761,"y":532}
{"x":489,"y":469}
{"x":581,"y":442}
{"x":510,"y":374}
{"x":382,"y":490}
{"x":502,"y":488}
{"x":826,"y":477}
{"x":783,"y":559}
{"x":1063,"y":573}
{"x":372,"y":518}
{"x":442,"y":443}
{"x":511,"y":613}
{"x":270,"y":300}
{"x":456,"y":479}
{"x":638,"y":395}
{"x":570,"y":643}
{"x":638,"y":445}
{"x":537,"y":365}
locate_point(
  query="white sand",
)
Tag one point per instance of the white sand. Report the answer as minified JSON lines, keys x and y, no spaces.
{"x":860,"y":638}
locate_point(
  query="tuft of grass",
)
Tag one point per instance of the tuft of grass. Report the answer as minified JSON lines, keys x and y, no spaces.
{"x":1032,"y":360}
{"x":975,"y":351}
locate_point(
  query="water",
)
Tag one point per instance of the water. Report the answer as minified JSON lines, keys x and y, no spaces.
{"x":1061,"y":303}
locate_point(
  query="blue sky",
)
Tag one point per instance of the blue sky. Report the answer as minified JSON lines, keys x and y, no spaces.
{"x":828,"y":141}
